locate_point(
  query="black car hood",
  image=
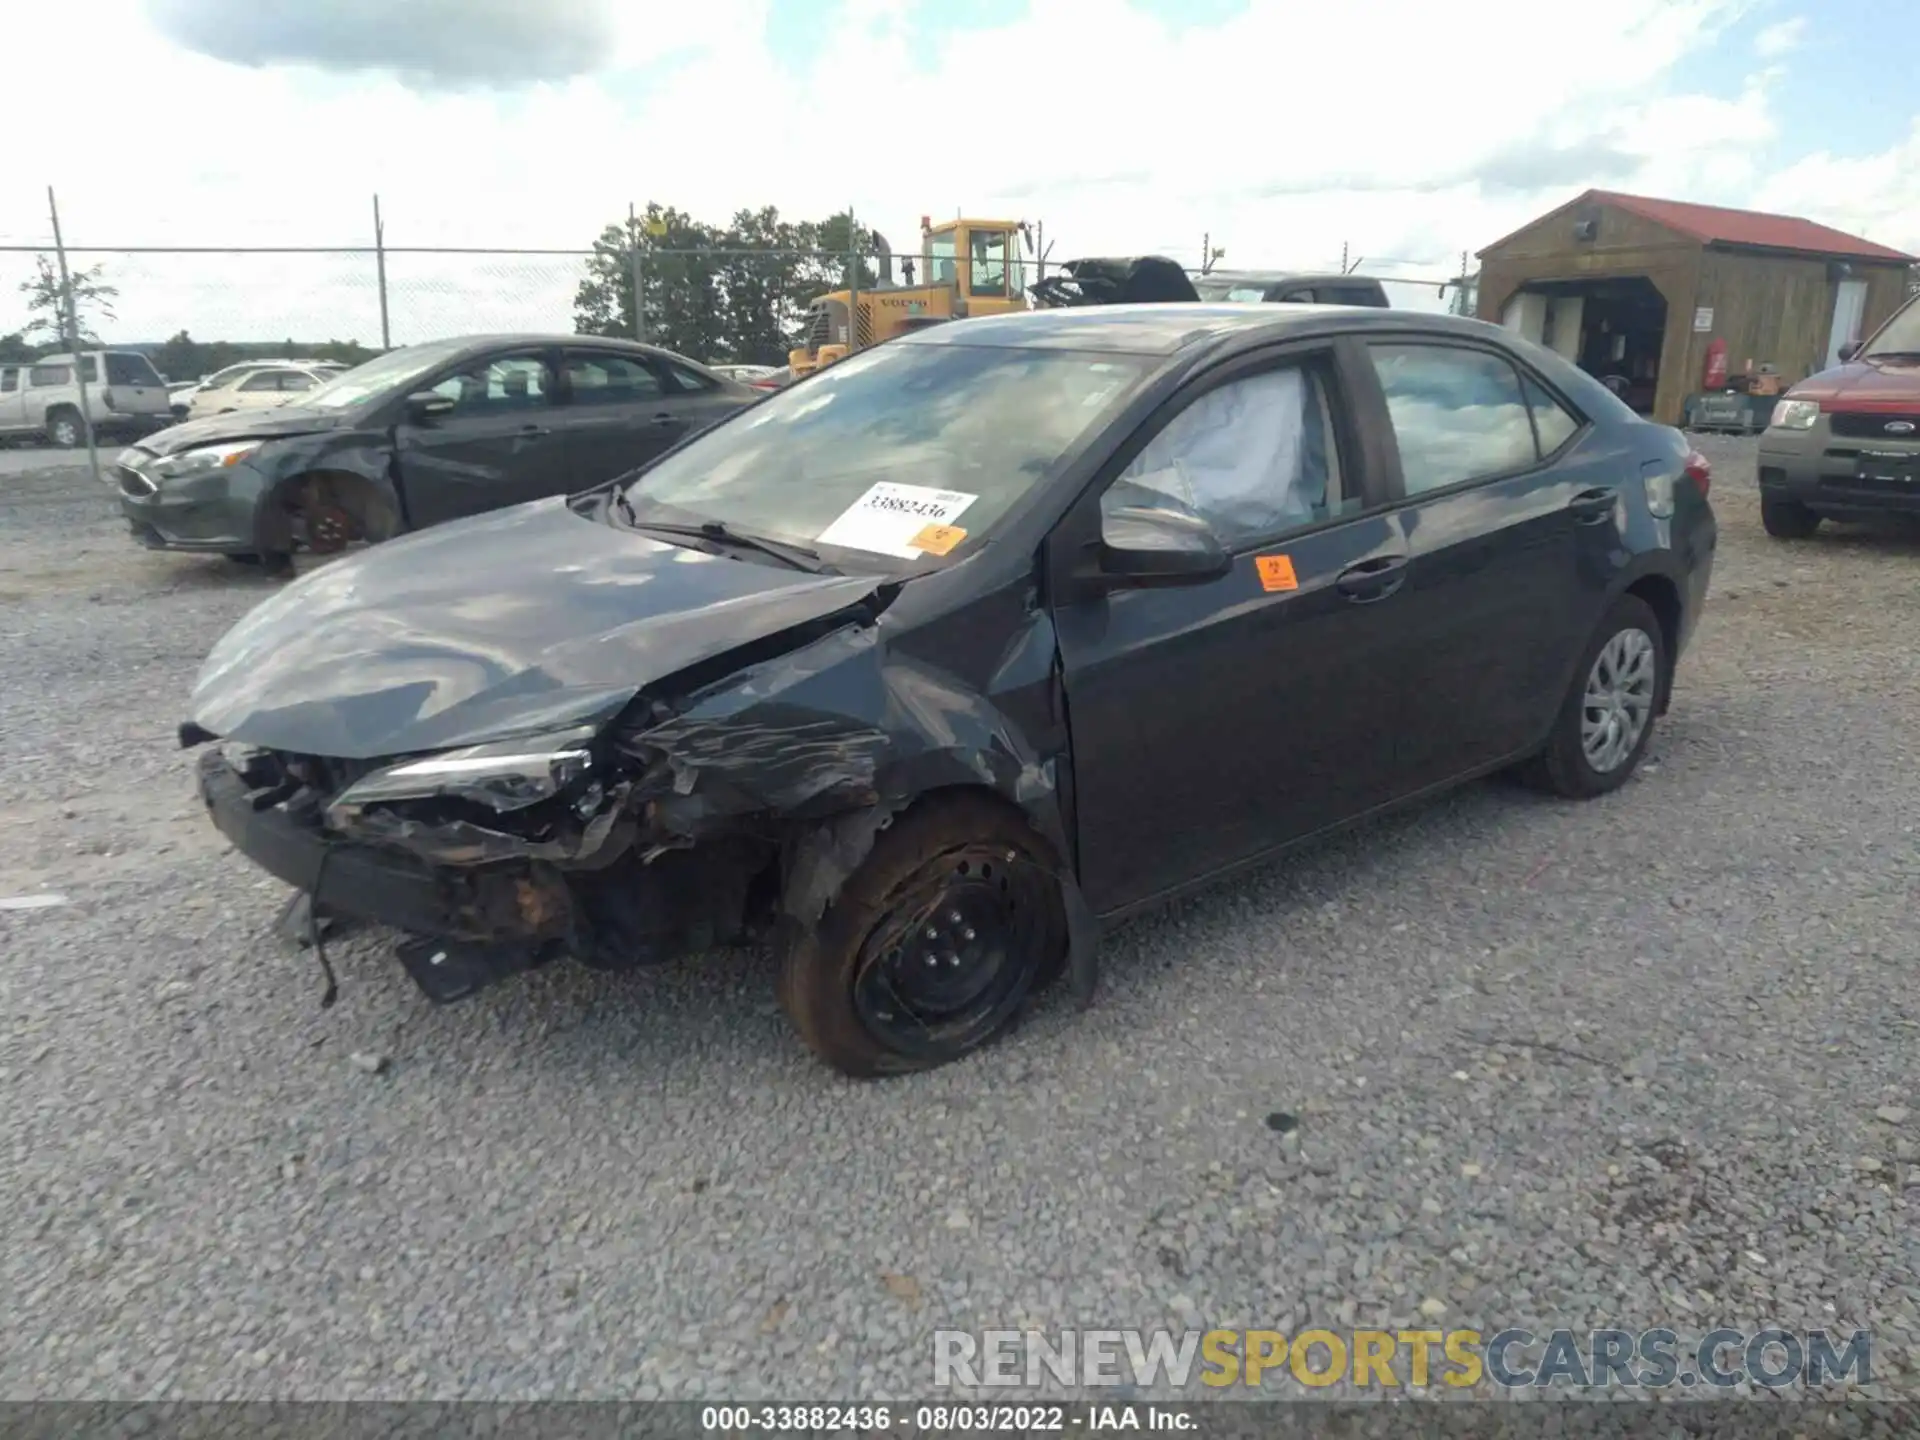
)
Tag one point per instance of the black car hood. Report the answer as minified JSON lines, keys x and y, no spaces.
{"x":270,"y":424}
{"x":521,"y":620}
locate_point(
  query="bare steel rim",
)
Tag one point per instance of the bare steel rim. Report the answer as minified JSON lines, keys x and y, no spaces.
{"x":1619,"y":699}
{"x":956,"y":954}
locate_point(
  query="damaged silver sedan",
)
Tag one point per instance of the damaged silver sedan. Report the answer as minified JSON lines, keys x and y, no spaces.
{"x":920,"y":670}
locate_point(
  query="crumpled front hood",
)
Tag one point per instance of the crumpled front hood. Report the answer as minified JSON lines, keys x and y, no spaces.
{"x":271,"y":424}
{"x":521,"y":620}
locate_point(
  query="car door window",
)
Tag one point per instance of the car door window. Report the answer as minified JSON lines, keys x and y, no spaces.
{"x":296,"y":380}
{"x":1253,"y":458}
{"x":43,"y":377}
{"x":262,"y":380}
{"x":498,"y":385}
{"x":1458,"y":414}
{"x":1553,"y":424}
{"x":606,"y":379}
{"x":9,"y":380}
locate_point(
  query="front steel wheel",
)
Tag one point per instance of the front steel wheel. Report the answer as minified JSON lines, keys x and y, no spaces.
{"x":932,"y":946}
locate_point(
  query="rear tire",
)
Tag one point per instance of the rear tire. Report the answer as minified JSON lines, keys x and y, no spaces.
{"x":873,"y":992}
{"x":1595,"y":746}
{"x":1787,"y":519}
{"x":64,"y":428}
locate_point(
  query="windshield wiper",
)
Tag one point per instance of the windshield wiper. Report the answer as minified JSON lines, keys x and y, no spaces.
{"x":1893,"y":355}
{"x":799,"y":557}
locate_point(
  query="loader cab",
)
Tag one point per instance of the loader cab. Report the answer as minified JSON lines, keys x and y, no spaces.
{"x":983,"y":262}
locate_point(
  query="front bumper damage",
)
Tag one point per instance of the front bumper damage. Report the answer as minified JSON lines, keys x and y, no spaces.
{"x":720,"y":814}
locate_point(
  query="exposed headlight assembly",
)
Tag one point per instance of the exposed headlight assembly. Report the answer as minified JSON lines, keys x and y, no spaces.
{"x":1795,"y":415}
{"x":203,"y":461}
{"x":504,"y":776}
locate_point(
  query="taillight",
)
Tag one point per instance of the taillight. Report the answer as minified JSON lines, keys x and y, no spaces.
{"x":1699,"y":471}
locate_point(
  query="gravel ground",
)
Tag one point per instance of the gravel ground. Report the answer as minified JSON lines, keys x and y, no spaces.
{"x":1551,"y":1064}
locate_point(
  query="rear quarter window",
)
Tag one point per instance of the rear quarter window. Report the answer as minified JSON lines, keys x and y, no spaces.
{"x":43,"y":376}
{"x":692,"y":381}
{"x":130,"y":370}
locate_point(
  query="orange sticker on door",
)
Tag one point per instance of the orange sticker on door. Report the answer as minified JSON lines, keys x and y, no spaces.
{"x":1276,"y":572}
{"x":938,"y":539}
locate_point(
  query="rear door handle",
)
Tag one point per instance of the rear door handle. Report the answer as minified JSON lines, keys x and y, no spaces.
{"x":1590,"y":507}
{"x":1373,"y":579}
{"x":665,"y":421}
{"x":533,"y":430}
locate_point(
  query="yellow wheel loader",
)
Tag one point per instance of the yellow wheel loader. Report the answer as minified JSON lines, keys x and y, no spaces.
{"x":967,"y":267}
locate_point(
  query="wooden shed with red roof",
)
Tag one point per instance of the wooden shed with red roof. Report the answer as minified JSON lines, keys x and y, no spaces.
{"x":1641,"y":289}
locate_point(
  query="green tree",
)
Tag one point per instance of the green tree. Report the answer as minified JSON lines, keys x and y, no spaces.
{"x":46,"y":300}
{"x":14,"y":348}
{"x":678,"y":266}
{"x":734,"y":294}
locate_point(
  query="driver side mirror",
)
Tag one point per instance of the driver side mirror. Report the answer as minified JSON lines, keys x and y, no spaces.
{"x":1160,"y":547}
{"x":1849,"y":350}
{"x":425,"y":404}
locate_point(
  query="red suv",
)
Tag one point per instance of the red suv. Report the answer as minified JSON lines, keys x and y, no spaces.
{"x":1846,"y":442}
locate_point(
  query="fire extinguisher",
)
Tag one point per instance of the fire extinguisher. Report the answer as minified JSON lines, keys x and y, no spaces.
{"x":1716,"y":375}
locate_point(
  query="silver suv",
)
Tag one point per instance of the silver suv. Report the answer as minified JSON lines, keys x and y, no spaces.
{"x":125,"y":396}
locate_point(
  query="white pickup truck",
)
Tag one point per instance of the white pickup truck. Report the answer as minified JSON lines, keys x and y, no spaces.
{"x":41,"y":398}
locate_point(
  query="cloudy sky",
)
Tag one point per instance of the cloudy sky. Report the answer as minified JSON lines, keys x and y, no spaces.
{"x":1404,"y":131}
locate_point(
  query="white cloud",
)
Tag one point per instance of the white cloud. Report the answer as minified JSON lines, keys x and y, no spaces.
{"x":1873,"y":195}
{"x":1093,"y":117}
{"x":1780,"y":38}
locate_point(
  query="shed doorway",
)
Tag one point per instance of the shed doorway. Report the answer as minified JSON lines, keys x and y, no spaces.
{"x":1613,"y":329}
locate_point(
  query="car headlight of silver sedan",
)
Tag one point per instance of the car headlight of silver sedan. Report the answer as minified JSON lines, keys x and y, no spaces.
{"x":1795,"y":415}
{"x":504,"y":776}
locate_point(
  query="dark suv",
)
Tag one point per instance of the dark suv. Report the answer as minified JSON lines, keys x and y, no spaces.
{"x":1846,"y":442}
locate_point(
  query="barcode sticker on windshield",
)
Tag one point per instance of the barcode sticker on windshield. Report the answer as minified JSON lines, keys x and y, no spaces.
{"x":889,"y":518}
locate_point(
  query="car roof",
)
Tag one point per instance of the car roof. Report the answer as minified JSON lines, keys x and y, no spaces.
{"x":1168,"y":329}
{"x":463,"y":343}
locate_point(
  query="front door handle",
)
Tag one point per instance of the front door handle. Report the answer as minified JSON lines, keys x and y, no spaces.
{"x":666,"y":421}
{"x":1590,"y":507}
{"x":531,"y":431}
{"x":1373,"y":579}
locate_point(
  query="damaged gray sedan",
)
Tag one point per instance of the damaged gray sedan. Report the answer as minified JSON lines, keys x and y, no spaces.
{"x":924,"y":668}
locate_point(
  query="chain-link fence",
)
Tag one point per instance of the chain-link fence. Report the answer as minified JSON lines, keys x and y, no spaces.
{"x":716,"y":303}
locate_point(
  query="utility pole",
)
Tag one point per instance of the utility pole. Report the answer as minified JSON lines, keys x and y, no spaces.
{"x":1343,"y":257}
{"x":70,"y":318}
{"x":380,"y":266}
{"x":633,"y":259}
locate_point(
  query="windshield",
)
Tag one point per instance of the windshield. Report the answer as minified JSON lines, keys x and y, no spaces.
{"x":899,"y":452}
{"x":1900,"y":335}
{"x":396,"y":370}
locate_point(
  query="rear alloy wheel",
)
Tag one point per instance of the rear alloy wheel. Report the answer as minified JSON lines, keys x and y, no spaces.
{"x":1788,"y":519}
{"x":932,"y":946}
{"x":1606,"y":722}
